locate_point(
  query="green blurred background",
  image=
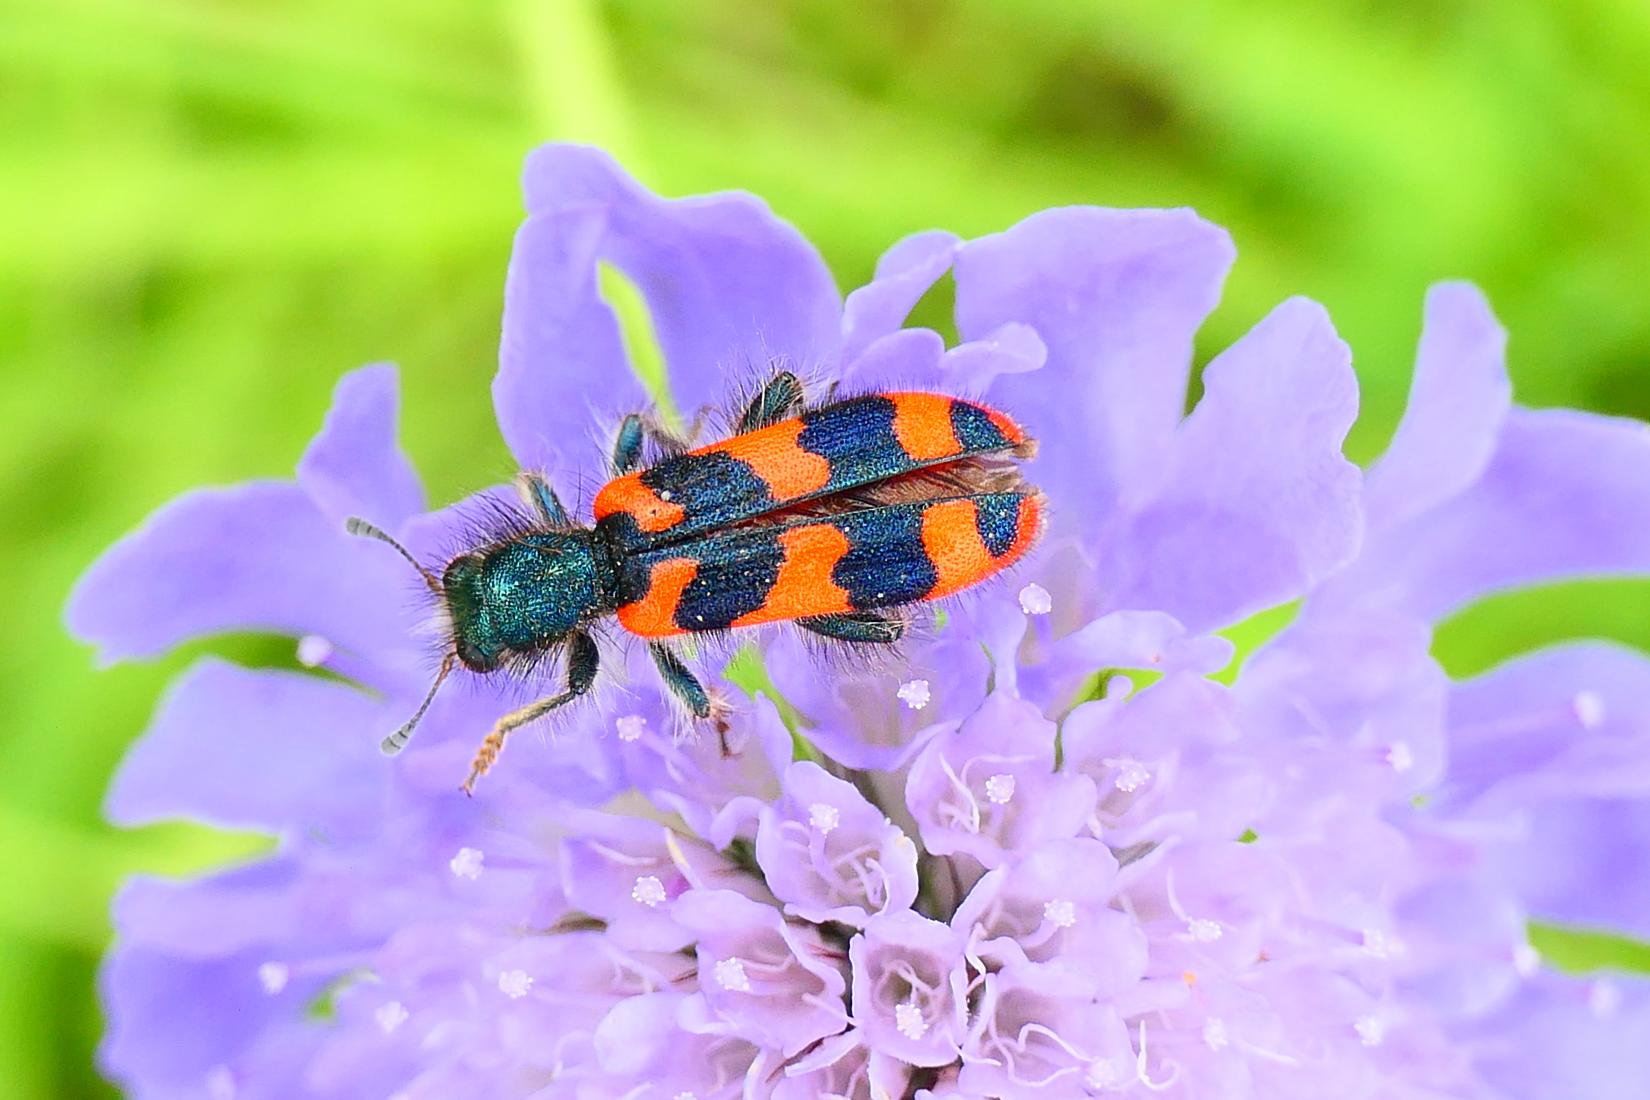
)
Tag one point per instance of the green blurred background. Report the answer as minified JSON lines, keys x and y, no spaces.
{"x":209,"y":209}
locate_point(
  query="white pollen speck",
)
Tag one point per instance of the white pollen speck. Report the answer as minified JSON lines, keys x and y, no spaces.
{"x":1035,"y":600}
{"x":1604,"y":998}
{"x":648,"y":890}
{"x":273,"y":977}
{"x":1000,"y":789}
{"x":824,"y":817}
{"x":1380,"y":945}
{"x":1526,"y":960}
{"x":1589,"y":708}
{"x":1204,"y":930}
{"x":313,"y":650}
{"x":908,"y":1020}
{"x":1102,"y":1073}
{"x":1400,"y":757}
{"x":390,"y":1015}
{"x":1131,"y":775}
{"x":1060,"y":913}
{"x":730,"y":975}
{"x":629,"y":727}
{"x":1214,"y":1033}
{"x":1371,"y":1030}
{"x":467,"y":863}
{"x":685,"y":1096}
{"x":915,"y":694}
{"x":515,"y":983}
{"x":665,"y":494}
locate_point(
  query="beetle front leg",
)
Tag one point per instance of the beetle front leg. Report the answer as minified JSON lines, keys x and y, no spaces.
{"x":702,"y":704}
{"x":583,"y":661}
{"x":542,"y":498}
{"x":634,"y":431}
{"x":779,"y":399}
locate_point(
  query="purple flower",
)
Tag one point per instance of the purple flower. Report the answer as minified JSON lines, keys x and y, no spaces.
{"x":1043,"y":852}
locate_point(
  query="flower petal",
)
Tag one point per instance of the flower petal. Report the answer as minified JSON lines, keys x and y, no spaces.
{"x":355,"y":467}
{"x":1568,"y":1037}
{"x":1117,"y":297}
{"x":252,"y":749}
{"x":561,"y":345}
{"x":1567,"y":494}
{"x":259,"y":556}
{"x":1457,"y":403}
{"x":904,"y":274}
{"x":729,"y":285}
{"x":1255,"y":501}
{"x":1581,"y":861}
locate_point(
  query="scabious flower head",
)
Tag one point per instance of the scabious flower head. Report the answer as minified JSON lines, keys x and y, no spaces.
{"x":1045,"y":853}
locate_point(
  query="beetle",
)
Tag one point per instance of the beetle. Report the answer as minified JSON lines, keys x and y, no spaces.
{"x":835,"y":518}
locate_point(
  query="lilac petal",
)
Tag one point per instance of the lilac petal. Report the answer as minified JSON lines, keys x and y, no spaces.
{"x":1567,"y":494}
{"x":729,"y":285}
{"x":831,"y":855}
{"x":989,"y":788}
{"x":1457,"y":403}
{"x":904,"y":274}
{"x":908,"y":358}
{"x":971,"y":366}
{"x":259,"y":556}
{"x":253,"y":749}
{"x":772,"y":980}
{"x":908,"y":988}
{"x":1571,"y":1038}
{"x":1581,"y":861}
{"x":213,"y":917}
{"x":561,"y":345}
{"x":1255,"y":502}
{"x":1568,"y":721}
{"x":1117,"y":297}
{"x":355,"y":467}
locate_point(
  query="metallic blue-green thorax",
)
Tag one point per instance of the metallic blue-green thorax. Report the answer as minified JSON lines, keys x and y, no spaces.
{"x":521,"y":596}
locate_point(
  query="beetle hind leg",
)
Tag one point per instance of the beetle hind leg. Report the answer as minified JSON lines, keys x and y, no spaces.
{"x":780,"y":398}
{"x":865,"y":627}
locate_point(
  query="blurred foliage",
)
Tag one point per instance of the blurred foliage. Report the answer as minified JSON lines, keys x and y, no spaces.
{"x":209,"y":209}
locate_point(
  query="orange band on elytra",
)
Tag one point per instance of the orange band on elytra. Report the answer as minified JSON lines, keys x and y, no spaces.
{"x":951,"y":536}
{"x":804,"y":585}
{"x":627,"y":494}
{"x":772,"y":452}
{"x":922,"y":424}
{"x":654,"y":615}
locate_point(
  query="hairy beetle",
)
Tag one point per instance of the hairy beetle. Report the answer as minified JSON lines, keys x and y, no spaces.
{"x":833,"y":517}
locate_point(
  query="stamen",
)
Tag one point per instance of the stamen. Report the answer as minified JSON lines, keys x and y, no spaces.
{"x":914,"y":694}
{"x":648,"y":890}
{"x":1589,"y":708}
{"x":390,"y":1015}
{"x":1371,"y":1030}
{"x":514,"y":984}
{"x":629,"y":727}
{"x":1060,"y":913}
{"x":1131,"y":774}
{"x":824,"y":817}
{"x":1102,"y":1073}
{"x":1035,"y":600}
{"x":685,"y":1095}
{"x":1201,"y":929}
{"x":273,"y":976}
{"x":1214,"y":1033}
{"x":313,"y":650}
{"x":1000,"y":789}
{"x":467,"y":863}
{"x":908,"y":1020}
{"x":1526,"y":960}
{"x":1380,"y":945}
{"x":1400,"y":757}
{"x":730,"y":975}
{"x":1143,"y":1076}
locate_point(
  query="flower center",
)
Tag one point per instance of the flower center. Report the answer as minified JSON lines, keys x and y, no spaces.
{"x":629,"y":727}
{"x":824,"y":817}
{"x":467,"y":863}
{"x":999,"y":789}
{"x":1060,"y":913}
{"x":273,"y":977}
{"x":908,"y":1020}
{"x":515,"y":983}
{"x":914,"y":694}
{"x":1035,"y":600}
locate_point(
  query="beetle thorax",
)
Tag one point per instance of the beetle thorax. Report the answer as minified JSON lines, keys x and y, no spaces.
{"x":520,"y":596}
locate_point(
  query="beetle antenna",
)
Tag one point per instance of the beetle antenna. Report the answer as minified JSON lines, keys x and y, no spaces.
{"x":397,"y":741}
{"x":355,"y":525}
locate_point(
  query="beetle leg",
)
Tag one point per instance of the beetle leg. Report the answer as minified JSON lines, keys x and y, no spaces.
{"x":780,"y":399}
{"x":582,"y":662}
{"x":856,"y":626}
{"x":682,"y":682}
{"x":542,"y":498}
{"x":635,"y":430}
